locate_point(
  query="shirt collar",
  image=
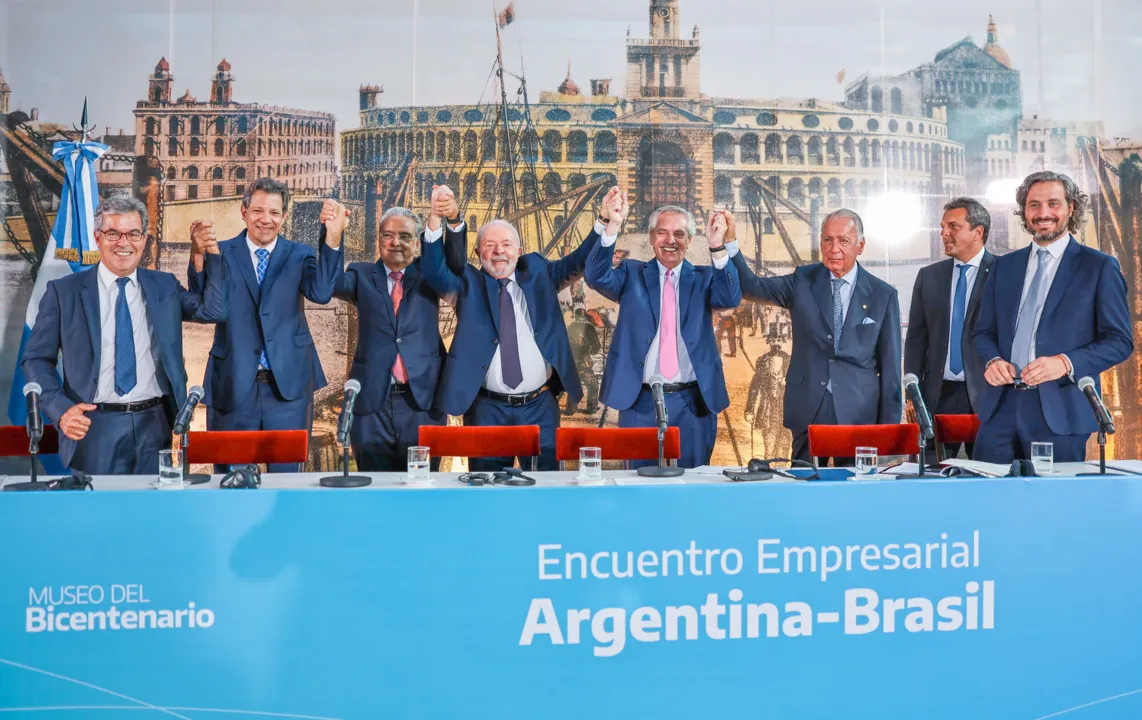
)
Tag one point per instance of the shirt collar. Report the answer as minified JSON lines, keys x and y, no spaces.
{"x":389,"y":271}
{"x":975,"y":262}
{"x":850,"y":277}
{"x":662,"y":270}
{"x":107,"y":278}
{"x":1056,"y":248}
{"x":254,"y":246}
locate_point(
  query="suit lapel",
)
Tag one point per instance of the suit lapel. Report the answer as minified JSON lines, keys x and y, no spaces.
{"x":492,"y":289}
{"x":91,"y":312}
{"x":858,"y":303}
{"x":154,"y":300}
{"x":945,"y":280}
{"x":980,"y":279}
{"x":1012,"y":286}
{"x":1068,"y":267}
{"x":407,"y":285}
{"x":277,"y":261}
{"x":380,"y":279}
{"x":241,"y":261}
{"x":653,"y":290}
{"x":685,"y":288}
{"x":822,"y":289}
{"x":527,"y":286}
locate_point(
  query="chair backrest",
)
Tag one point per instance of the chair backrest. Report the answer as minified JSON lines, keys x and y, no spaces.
{"x":953,"y":430}
{"x":481,"y":441}
{"x":244,"y":447}
{"x":14,"y":441}
{"x":843,"y":440}
{"x":617,"y":443}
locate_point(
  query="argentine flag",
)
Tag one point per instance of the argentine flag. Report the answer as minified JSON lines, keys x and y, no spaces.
{"x":70,"y":249}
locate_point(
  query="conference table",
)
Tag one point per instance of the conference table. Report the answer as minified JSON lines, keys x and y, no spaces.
{"x":687,"y":597}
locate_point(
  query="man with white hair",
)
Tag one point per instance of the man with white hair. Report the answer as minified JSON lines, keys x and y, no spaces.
{"x":510,"y":358}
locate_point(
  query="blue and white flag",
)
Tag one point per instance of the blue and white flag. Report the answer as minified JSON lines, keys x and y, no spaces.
{"x":70,"y":248}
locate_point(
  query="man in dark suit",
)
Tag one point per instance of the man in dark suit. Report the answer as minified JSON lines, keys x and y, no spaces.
{"x":119,"y":328}
{"x":399,"y":351}
{"x":263,"y":367}
{"x":945,"y":305}
{"x":845,"y":366}
{"x":1051,"y":313}
{"x":510,"y":358}
{"x":665,"y":330}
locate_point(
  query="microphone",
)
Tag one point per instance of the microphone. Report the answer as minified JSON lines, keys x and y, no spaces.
{"x":660,"y":414}
{"x":182,"y":420}
{"x":35,"y":423}
{"x":1086,"y":384}
{"x":352,"y":387}
{"x":912,"y":391}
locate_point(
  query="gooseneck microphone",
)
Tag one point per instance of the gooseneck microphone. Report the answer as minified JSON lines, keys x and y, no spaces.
{"x":1086,"y":384}
{"x":182,"y":420}
{"x":352,"y":387}
{"x":662,"y":419}
{"x":344,"y":423}
{"x":923,"y":418}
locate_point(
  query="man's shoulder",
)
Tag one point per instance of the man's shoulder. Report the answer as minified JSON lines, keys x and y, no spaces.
{"x":938,"y":267}
{"x":364,"y":268}
{"x":72,"y":282}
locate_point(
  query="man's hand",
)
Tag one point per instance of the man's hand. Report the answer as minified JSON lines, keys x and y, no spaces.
{"x":716,"y":230}
{"x":444,"y":206}
{"x":909,"y":413}
{"x":202,"y":240}
{"x":614,"y":210}
{"x":74,"y":424}
{"x":1044,"y":369}
{"x":334,"y":216}
{"x":731,"y":227}
{"x":1000,"y":372}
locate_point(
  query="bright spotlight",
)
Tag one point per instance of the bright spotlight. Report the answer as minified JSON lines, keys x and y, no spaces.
{"x":893,"y":218}
{"x":1002,"y":192}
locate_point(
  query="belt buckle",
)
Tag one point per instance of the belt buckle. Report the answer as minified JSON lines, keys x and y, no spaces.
{"x":517,"y":400}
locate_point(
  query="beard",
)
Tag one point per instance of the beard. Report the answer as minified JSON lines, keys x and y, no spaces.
{"x":1046,"y":236}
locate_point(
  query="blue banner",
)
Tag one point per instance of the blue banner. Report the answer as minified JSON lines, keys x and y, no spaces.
{"x":928,"y":599}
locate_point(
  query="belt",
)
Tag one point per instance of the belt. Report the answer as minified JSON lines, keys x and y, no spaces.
{"x":668,"y":388}
{"x":129,"y":407}
{"x":515,"y":400}
{"x":1025,"y":386}
{"x":398,"y":388}
{"x":265,"y":375}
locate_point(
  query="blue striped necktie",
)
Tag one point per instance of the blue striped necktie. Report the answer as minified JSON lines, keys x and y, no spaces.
{"x":263,"y":263}
{"x":125,"y":378}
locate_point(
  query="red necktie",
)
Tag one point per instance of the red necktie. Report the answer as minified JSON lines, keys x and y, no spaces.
{"x":399,"y":371}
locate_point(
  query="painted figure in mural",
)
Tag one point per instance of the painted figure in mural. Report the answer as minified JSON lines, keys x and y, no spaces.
{"x":585,"y":346}
{"x":399,"y":351}
{"x":845,"y":367}
{"x":763,"y":400}
{"x":510,"y":358}
{"x":1051,"y":314}
{"x":665,"y":330}
{"x":263,"y":368}
{"x":943,"y":313}
{"x":119,"y":327}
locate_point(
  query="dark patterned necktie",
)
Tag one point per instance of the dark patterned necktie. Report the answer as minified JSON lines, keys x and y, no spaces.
{"x":509,"y":343}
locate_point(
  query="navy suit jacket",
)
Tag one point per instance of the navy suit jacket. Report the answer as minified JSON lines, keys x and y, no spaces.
{"x":68,"y":320}
{"x":634,"y":286}
{"x":929,"y":328}
{"x":414,"y":331}
{"x":866,"y":369}
{"x":477,"y":295}
{"x":272,"y":315}
{"x":1085,"y":317}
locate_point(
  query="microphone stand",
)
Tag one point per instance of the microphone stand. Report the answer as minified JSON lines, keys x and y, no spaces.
{"x":661,"y":469}
{"x":345,"y":480}
{"x":923,"y":458}
{"x":189,"y":478}
{"x":33,"y":453}
{"x":1101,"y":454}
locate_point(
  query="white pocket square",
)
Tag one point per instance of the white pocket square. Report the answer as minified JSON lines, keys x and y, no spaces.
{"x":868,"y":321}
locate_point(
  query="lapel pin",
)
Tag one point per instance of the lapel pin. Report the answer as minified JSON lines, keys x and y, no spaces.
{"x":864,"y":307}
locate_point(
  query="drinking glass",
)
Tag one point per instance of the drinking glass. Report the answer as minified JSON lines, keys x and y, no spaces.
{"x":1043,"y":457}
{"x":865,"y":460}
{"x":590,"y":464}
{"x":418,"y":463}
{"x":170,"y":469}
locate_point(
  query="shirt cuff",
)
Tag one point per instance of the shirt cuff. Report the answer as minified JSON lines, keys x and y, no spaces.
{"x":457,"y":228}
{"x":731,"y":249}
{"x":431,"y":235}
{"x":600,"y":228}
{"x":1070,"y":366}
{"x":608,"y":240}
{"x":720,"y":263}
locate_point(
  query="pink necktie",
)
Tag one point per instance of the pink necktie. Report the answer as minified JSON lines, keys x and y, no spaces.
{"x":668,"y":330}
{"x":399,"y":371}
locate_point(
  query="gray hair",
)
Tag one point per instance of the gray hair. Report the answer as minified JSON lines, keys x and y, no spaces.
{"x":120,"y":205}
{"x":267,"y":185}
{"x":401,"y":213}
{"x":691,"y":228}
{"x":1074,"y":195}
{"x":498,"y":223}
{"x":977,"y":214}
{"x":846,"y":214}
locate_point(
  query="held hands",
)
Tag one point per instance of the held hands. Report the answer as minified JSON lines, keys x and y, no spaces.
{"x":74,"y":424}
{"x":731,"y":227}
{"x":202,"y":240}
{"x":444,"y":206}
{"x":335,"y":217}
{"x":716,"y":230}
{"x":614,"y":210}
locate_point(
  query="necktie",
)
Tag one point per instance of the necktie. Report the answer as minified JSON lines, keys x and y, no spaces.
{"x":263,"y":263}
{"x":1025,"y":325}
{"x":400,"y":373}
{"x":959,"y":309}
{"x":668,"y":330}
{"x":838,"y":320}
{"x":509,"y":343}
{"x":124,"y":342}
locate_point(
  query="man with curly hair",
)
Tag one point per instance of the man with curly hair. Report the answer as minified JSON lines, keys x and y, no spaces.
{"x":1052,"y":313}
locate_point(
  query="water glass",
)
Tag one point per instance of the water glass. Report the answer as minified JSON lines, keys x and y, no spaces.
{"x":865,"y":460}
{"x":591,"y":464}
{"x":170,"y":469}
{"x":1043,"y":457}
{"x":418,"y":463}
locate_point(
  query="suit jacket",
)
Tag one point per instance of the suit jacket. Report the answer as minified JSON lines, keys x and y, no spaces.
{"x":866,"y":369}
{"x":477,"y":295}
{"x":1085,"y":317}
{"x":414,"y":331}
{"x":68,"y":320}
{"x":272,"y":316}
{"x":634,"y":285}
{"x":929,"y":325}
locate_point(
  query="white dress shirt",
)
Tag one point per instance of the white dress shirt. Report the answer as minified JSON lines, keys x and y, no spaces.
{"x":146,"y":381}
{"x":1056,"y":250}
{"x":846,"y":290}
{"x":651,"y":371}
{"x":973,"y":272}
{"x":253,"y":246}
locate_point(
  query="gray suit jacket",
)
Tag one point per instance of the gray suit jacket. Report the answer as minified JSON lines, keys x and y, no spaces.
{"x":929,"y":322}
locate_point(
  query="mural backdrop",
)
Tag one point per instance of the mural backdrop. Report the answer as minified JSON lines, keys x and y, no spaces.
{"x":777,"y":111}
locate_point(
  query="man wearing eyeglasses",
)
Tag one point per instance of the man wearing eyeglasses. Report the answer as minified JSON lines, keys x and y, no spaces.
{"x":399,"y":351}
{"x":119,"y":327}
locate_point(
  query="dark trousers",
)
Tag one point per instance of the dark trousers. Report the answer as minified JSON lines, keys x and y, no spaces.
{"x":1018,"y":421}
{"x":685,"y":410}
{"x":542,"y":411}
{"x":123,"y":443}
{"x":953,"y":400}
{"x":826,"y":415}
{"x":265,"y":410}
{"x":381,"y":440}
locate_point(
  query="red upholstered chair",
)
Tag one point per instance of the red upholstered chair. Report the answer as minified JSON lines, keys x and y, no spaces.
{"x":14,"y":441}
{"x":245,"y":447}
{"x":843,"y":440}
{"x":482,"y":442}
{"x":954,"y":430}
{"x":617,"y":443}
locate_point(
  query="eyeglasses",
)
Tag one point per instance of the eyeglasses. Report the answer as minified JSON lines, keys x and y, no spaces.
{"x":390,"y":236}
{"x":114,"y":235}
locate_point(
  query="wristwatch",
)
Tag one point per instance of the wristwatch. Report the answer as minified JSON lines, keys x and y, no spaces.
{"x":717,"y":249}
